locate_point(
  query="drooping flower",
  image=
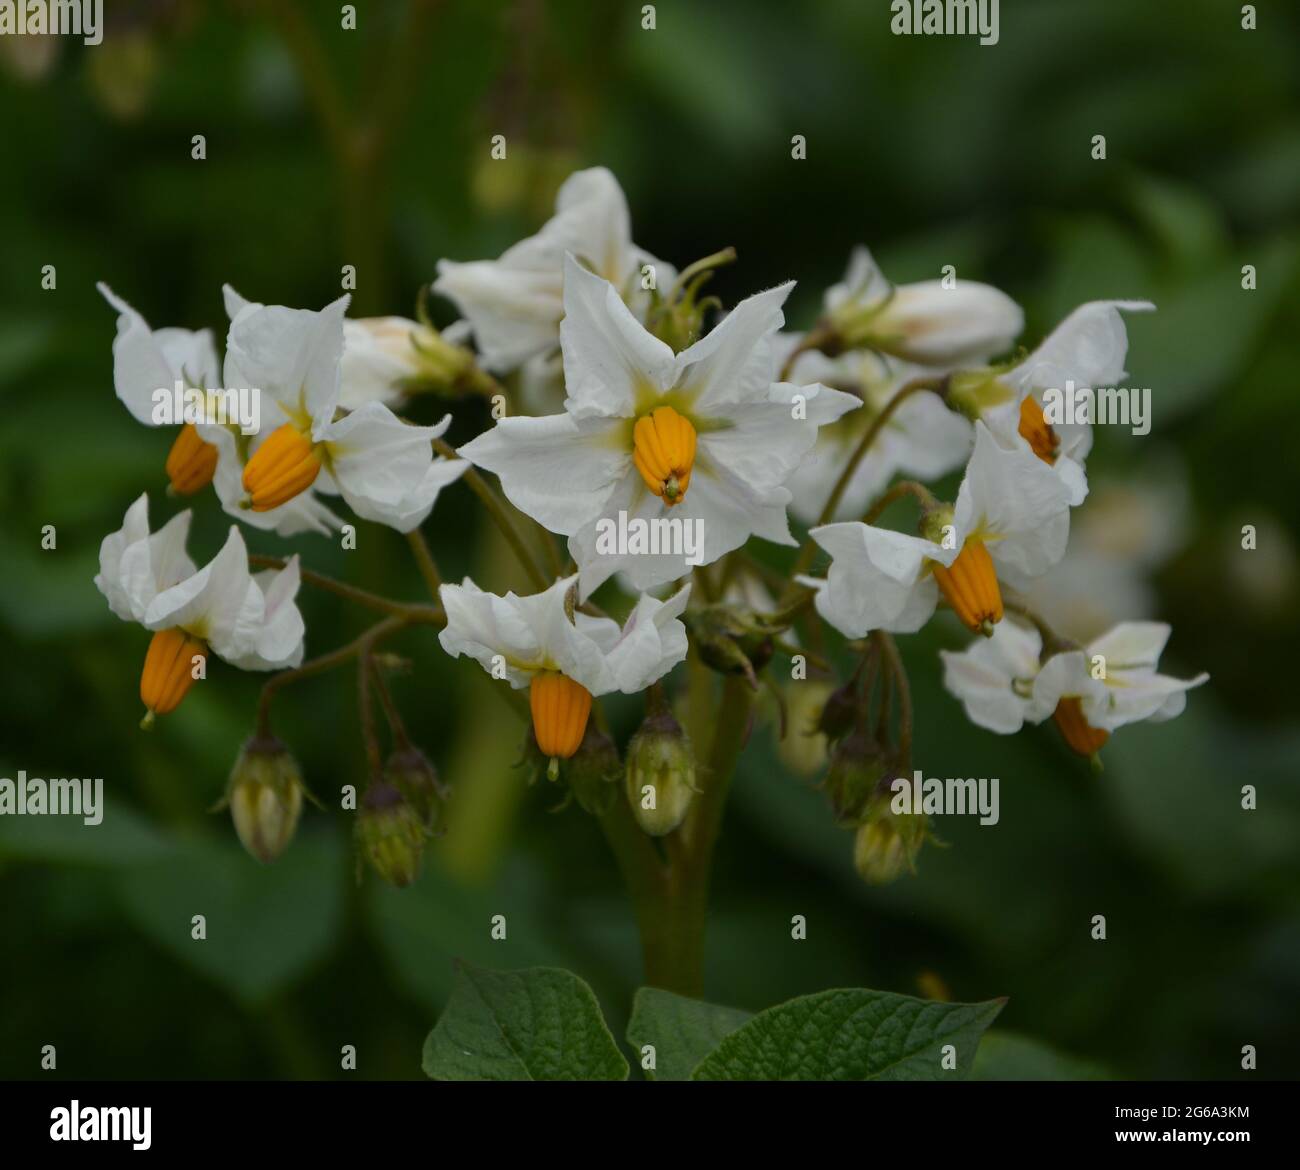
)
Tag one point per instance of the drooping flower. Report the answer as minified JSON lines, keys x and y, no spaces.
{"x":1011,"y":517}
{"x":252,"y":622}
{"x":1088,"y":692}
{"x":387,"y":359}
{"x":514,"y":304}
{"x":923,"y":439}
{"x":929,"y":322}
{"x":383,"y":467}
{"x":703,"y":436}
{"x":1086,"y":352}
{"x":564,"y":657}
{"x":146,"y":361}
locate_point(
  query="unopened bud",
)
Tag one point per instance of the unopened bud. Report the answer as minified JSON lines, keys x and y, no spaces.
{"x":593,"y":772}
{"x":840,"y":712}
{"x":265,"y":797}
{"x":887,"y":843}
{"x":414,"y":775}
{"x":803,"y":747}
{"x":660,"y":774}
{"x":390,"y":834}
{"x":856,"y":769}
{"x":733,"y":639}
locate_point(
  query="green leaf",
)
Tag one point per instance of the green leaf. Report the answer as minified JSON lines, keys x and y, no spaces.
{"x":1005,"y":1056}
{"x":682,"y":1031}
{"x":852,"y":1035}
{"x":538,"y":1024}
{"x":264,"y":924}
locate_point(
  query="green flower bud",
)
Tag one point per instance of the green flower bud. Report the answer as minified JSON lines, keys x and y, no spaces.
{"x":660,"y":774}
{"x":593,"y":771}
{"x":390,"y":834}
{"x":972,"y":392}
{"x":412,"y":773}
{"x":888,"y":842}
{"x":857,"y":767}
{"x":803,"y":747}
{"x":733,"y":639}
{"x":265,"y":797}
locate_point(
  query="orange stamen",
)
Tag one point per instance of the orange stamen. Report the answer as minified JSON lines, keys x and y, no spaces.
{"x":169,"y":670}
{"x":1076,"y":730}
{"x":560,"y":708}
{"x":663,"y":449}
{"x":971,"y":587}
{"x":191,"y":463}
{"x":1037,"y":431}
{"x":286,"y":464}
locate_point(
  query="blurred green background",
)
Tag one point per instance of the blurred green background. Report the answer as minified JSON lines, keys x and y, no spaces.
{"x":932,"y":151}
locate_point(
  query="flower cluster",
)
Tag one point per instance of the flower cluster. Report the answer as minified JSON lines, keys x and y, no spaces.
{"x":657,"y":447}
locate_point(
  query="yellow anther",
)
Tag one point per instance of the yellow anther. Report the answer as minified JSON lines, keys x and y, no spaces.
{"x":286,"y":464}
{"x":664,"y":453}
{"x":560,"y":708}
{"x":971,"y":587}
{"x":191,"y":462}
{"x":169,"y":671}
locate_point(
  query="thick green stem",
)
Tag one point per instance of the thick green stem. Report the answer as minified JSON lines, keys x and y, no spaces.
{"x":671,"y":901}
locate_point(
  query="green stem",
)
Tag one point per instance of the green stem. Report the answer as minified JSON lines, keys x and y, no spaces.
{"x":424,"y":559}
{"x":340,"y":589}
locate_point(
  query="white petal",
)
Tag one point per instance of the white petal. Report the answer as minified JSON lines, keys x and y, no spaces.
{"x":145,"y":360}
{"x":1132,"y":645}
{"x":937,"y":326}
{"x":1089,"y":348}
{"x":1065,"y":676}
{"x":292,"y":356}
{"x":556,"y":470}
{"x":1016,"y":503}
{"x":735,"y":363}
{"x":219,"y":603}
{"x":609,"y":358}
{"x":135,"y":566}
{"x":381,"y":465}
{"x":278,"y":642}
{"x":863,"y":281}
{"x":377,"y":355}
{"x":652,"y":643}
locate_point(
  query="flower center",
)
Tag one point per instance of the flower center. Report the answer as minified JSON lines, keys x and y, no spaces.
{"x":286,"y":464}
{"x":1075,"y":729}
{"x":971,"y":587}
{"x":664,"y":453}
{"x":191,"y":462}
{"x":168,"y":671}
{"x":1037,"y":431}
{"x":560,"y":708}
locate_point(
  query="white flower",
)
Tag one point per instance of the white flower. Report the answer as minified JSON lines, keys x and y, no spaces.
{"x":383,"y":467}
{"x":252,"y":623}
{"x":923,"y":439}
{"x":1088,"y":350}
{"x":925,"y":322}
{"x":135,"y":566}
{"x":1089,"y":692}
{"x":564,"y":657}
{"x":1012,"y":511}
{"x":515,"y":303}
{"x":385,"y":359}
{"x":146,"y":360}
{"x":703,"y":436}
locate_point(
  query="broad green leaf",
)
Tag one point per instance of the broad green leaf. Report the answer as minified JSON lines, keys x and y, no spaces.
{"x":852,"y":1035}
{"x":538,"y":1024}
{"x":1005,"y":1056}
{"x":264,"y":924}
{"x":122,"y":837}
{"x":682,"y":1031}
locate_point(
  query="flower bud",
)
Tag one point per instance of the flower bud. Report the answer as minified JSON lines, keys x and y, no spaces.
{"x":265,"y":797}
{"x":803,"y":747}
{"x":660,"y":774}
{"x":390,"y":834}
{"x":887,"y":843}
{"x":733,"y":639}
{"x":593,"y":772}
{"x":840,"y":712}
{"x":858,"y":765}
{"x":414,"y":775}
